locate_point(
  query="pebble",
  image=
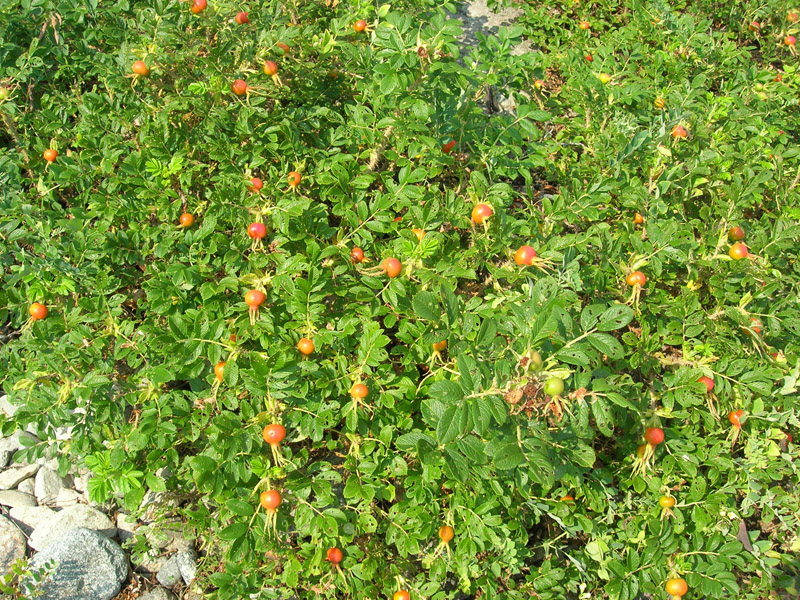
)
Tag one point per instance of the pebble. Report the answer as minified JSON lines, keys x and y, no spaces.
{"x":158,"y":594}
{"x":170,"y":574}
{"x":7,"y":408}
{"x":30,"y":517}
{"x":151,"y":562}
{"x":187,"y":564}
{"x":170,"y":539}
{"x":28,"y":486}
{"x":47,"y":485}
{"x":11,"y":477}
{"x":126,"y":527}
{"x":15,"y":498}
{"x":9,"y":445}
{"x":66,"y":498}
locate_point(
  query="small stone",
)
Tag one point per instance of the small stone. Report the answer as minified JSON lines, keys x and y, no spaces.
{"x":79,"y":515}
{"x":82,"y":480}
{"x":151,"y":562}
{"x":50,"y":463}
{"x":66,"y":498}
{"x":30,"y":517}
{"x":15,"y":498}
{"x":6,"y":407}
{"x":170,"y":574}
{"x":47,"y":485}
{"x":88,"y":565}
{"x":11,"y":477}
{"x":12,"y":545}
{"x":126,"y":527}
{"x":170,"y":540}
{"x":28,"y":486}
{"x":187,"y":564}
{"x":64,"y":433}
{"x":158,"y":594}
{"x":9,"y":445}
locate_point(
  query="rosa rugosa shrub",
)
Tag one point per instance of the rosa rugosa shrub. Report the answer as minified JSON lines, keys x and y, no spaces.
{"x":508,"y":402}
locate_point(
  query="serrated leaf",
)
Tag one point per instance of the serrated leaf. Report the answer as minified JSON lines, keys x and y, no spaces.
{"x":446,"y":391}
{"x":509,"y":456}
{"x":615,"y":317}
{"x":498,"y":408}
{"x":455,"y":465}
{"x":451,"y":424}
{"x":426,"y":306}
{"x":233,"y":532}
{"x":606,"y":344}
{"x":160,"y":375}
{"x":472,"y":448}
{"x":239,"y":507}
{"x":481,"y":415}
{"x":465,"y":366}
{"x":602,"y":416}
{"x":573,"y":356}
{"x":408,"y":441}
{"x":541,"y":469}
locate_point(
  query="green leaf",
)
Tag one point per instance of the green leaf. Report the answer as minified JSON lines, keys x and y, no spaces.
{"x":509,"y":456}
{"x":602,"y":416}
{"x":615,"y":317}
{"x":448,"y":392}
{"x":451,"y":424}
{"x":232,"y":532}
{"x":581,"y":454}
{"x":541,"y":469}
{"x":573,"y":356}
{"x":606,"y":344}
{"x":160,"y":375}
{"x":465,"y":366}
{"x":472,"y":448}
{"x":239,"y":507}
{"x":426,"y":305}
{"x":455,"y":465}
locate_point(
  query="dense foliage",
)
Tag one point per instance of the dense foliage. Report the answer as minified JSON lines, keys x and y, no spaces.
{"x":632,"y":143}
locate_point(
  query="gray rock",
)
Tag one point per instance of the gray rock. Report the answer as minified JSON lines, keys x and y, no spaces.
{"x":158,"y":594}
{"x":187,"y":564}
{"x":30,"y":517}
{"x":28,"y":486}
{"x":88,"y":565}
{"x":48,"y":484}
{"x":126,"y":527}
{"x":170,"y":574}
{"x":49,"y":463}
{"x":12,"y":545}
{"x":82,"y":480}
{"x":79,"y":515}
{"x":11,"y":477}
{"x":6,"y":406}
{"x":66,"y":498}
{"x":9,"y":445}
{"x":150,"y":563}
{"x":64,"y":433}
{"x":170,"y":539}
{"x":15,"y":498}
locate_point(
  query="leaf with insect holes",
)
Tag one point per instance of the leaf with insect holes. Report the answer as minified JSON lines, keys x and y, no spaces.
{"x":615,"y":317}
{"x":508,"y":456}
{"x":426,"y":305}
